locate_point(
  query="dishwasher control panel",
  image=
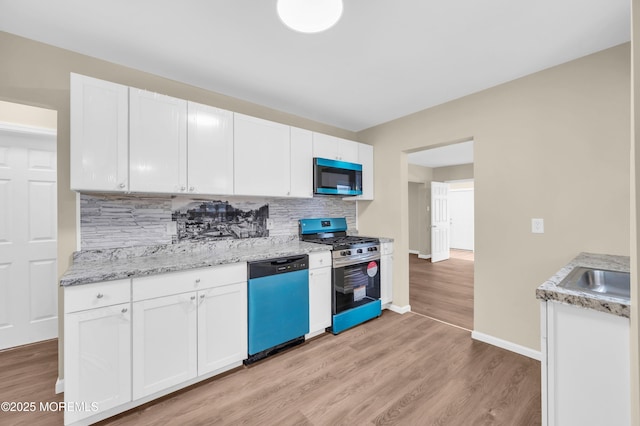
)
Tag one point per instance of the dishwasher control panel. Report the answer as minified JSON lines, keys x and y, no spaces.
{"x":281,"y":265}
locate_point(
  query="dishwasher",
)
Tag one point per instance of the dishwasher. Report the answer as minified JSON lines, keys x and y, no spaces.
{"x":278,"y":305}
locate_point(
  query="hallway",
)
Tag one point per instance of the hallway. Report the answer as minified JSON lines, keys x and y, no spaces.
{"x":443,"y":290}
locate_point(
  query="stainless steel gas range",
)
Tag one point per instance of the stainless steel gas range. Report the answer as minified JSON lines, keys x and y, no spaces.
{"x":355,"y":274}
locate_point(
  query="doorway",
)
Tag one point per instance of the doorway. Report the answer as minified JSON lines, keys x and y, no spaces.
{"x":28,"y":225}
{"x":442,"y":288}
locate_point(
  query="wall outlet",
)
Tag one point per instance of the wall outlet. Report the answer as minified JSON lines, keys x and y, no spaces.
{"x":537,"y":226}
{"x":269,"y":223}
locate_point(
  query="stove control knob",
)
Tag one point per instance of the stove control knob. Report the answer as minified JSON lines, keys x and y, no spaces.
{"x":348,"y":252}
{"x":359,"y":250}
{"x":343,"y":253}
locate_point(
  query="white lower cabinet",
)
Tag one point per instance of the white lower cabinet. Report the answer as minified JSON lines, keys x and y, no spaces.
{"x":386,"y":274}
{"x":164,"y":343}
{"x":222,"y":327}
{"x":319,"y":292}
{"x":585,"y":367}
{"x":97,"y":360}
{"x":129,"y":341}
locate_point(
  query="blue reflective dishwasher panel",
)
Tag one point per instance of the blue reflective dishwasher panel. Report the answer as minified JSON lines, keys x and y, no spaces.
{"x":278,"y":309}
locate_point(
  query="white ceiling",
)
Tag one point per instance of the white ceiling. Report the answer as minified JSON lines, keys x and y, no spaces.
{"x":383,"y":60}
{"x":449,"y":155}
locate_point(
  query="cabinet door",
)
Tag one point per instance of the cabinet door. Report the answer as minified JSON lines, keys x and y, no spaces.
{"x":157,"y":143}
{"x":301,"y":163}
{"x":99,"y":135}
{"x":210,"y":150}
{"x":261,"y":157}
{"x":334,"y":148}
{"x":386,"y":280}
{"x":222,"y":327}
{"x":587,"y":357}
{"x":319,"y":299}
{"x":164,"y":343}
{"x":365,"y":157}
{"x":97,"y":361}
{"x":348,"y":150}
{"x":325,"y":146}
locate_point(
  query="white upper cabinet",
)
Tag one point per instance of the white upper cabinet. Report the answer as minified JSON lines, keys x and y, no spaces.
{"x":333,"y":148}
{"x":365,"y":157}
{"x":157,"y":143}
{"x":261,"y":157}
{"x":125,"y":139}
{"x":210,"y":150}
{"x":301,"y":163}
{"x":99,"y":135}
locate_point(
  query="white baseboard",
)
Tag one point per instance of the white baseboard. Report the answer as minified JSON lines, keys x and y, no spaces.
{"x":424,"y":256}
{"x":504,"y":344}
{"x":414,"y":252}
{"x":400,"y":309}
{"x":59,"y":385}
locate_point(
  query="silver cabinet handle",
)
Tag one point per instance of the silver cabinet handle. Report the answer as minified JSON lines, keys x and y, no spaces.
{"x":99,"y":295}
{"x":124,"y":310}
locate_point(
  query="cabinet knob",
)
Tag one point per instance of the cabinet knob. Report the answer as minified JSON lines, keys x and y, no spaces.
{"x":193,"y":298}
{"x":183,"y":188}
{"x":122,"y":185}
{"x":197,"y":280}
{"x":191,"y":189}
{"x":202,"y":296}
{"x":124,"y":310}
{"x":99,"y":295}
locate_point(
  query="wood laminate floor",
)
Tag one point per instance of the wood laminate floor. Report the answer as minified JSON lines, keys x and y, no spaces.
{"x":393,"y":370}
{"x":443,"y":290}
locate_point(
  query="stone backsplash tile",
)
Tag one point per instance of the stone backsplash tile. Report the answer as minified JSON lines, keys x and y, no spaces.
{"x":116,"y":221}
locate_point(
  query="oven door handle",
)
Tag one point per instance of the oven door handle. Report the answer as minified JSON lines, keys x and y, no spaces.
{"x":340,"y":263}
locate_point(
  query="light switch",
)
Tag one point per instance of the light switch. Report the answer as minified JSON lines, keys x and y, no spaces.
{"x":537,"y":226}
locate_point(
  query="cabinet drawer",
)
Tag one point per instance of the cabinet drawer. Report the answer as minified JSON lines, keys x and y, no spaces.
{"x":190,"y":280}
{"x":319,"y":260}
{"x":89,"y":296}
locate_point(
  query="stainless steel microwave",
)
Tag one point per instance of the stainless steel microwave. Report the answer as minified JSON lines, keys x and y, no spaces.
{"x":336,"y":177}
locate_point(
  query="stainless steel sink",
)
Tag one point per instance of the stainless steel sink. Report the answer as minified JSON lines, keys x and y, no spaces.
{"x":598,"y":281}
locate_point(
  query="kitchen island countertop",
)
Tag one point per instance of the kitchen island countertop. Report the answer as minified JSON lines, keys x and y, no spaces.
{"x":550,"y":291}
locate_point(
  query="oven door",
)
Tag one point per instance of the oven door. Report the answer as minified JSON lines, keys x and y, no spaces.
{"x":355,"y":284}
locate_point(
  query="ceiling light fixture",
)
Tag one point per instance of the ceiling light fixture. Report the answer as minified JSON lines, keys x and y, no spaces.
{"x":309,"y":16}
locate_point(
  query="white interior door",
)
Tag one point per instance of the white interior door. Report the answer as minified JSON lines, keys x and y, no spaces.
{"x":461,"y":210}
{"x":28,"y":236}
{"x":439,"y":221}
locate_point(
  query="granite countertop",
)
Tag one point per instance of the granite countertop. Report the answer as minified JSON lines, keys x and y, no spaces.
{"x":549,"y":290}
{"x":105,"y":265}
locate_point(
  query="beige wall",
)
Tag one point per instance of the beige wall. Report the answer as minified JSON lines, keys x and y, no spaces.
{"x":36,"y":74}
{"x":420,"y":178}
{"x":635,"y":214}
{"x":27,"y":116}
{"x":444,"y":174}
{"x":543,"y":146}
